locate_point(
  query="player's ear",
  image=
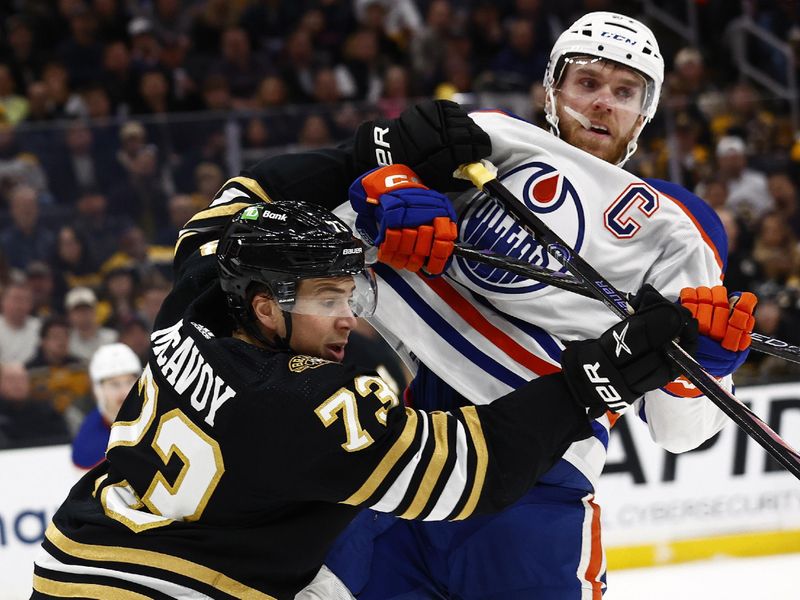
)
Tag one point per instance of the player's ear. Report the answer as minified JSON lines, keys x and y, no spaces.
{"x":267,"y":313}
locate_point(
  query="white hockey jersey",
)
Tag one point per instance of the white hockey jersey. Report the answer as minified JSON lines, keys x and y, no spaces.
{"x":484,"y":331}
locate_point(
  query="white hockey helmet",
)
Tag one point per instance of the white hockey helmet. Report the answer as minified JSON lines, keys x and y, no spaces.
{"x":112,"y":360}
{"x":614,"y":37}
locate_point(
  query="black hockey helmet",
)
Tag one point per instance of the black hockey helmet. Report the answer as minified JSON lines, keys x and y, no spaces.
{"x":277,"y":244}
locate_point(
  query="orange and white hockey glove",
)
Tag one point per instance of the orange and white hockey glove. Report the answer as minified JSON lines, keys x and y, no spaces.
{"x":725,"y":324}
{"x":412,"y":225}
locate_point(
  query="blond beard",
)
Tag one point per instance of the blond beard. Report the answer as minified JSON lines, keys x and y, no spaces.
{"x":570,"y":131}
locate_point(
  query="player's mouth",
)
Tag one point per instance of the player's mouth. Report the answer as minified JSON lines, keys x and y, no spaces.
{"x":335,"y":352}
{"x":599,"y":129}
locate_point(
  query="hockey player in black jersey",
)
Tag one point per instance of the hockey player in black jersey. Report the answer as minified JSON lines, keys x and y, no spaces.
{"x":246,"y":446}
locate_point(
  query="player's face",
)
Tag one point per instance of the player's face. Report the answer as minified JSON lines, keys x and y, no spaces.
{"x":113,"y":391}
{"x":323,"y":331}
{"x":599,"y":105}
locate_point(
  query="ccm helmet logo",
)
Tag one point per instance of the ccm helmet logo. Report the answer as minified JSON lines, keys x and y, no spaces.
{"x":618,"y":38}
{"x":276,"y":216}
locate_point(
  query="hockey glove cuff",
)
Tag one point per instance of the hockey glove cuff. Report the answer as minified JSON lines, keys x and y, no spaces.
{"x":725,"y":324}
{"x":434,"y":138}
{"x":412,"y":225}
{"x":609,"y":373}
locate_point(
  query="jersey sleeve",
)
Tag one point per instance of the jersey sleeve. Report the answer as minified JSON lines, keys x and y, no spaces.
{"x":679,"y":417}
{"x":321,"y":177}
{"x":356,"y":444}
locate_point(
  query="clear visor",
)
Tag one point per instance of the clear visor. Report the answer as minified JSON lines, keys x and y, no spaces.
{"x":586,"y":81}
{"x":341,"y":296}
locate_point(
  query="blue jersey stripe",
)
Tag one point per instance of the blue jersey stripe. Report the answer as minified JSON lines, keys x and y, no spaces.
{"x":705,"y":215}
{"x":541,"y":337}
{"x":445,"y":330}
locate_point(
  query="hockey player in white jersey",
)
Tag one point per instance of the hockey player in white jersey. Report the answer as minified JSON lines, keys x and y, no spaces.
{"x":478,"y":332}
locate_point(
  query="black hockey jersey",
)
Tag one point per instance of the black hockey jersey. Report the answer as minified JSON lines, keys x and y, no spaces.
{"x":231,"y":469}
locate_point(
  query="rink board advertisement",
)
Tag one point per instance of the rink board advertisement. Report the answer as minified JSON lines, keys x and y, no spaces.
{"x":654,"y":504}
{"x":724,"y":492}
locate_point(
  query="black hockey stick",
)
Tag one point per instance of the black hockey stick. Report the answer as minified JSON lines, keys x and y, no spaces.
{"x":751,"y":423}
{"x":760,"y":343}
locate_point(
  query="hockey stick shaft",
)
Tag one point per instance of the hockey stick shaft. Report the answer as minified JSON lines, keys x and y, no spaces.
{"x":760,"y":343}
{"x":601,"y":289}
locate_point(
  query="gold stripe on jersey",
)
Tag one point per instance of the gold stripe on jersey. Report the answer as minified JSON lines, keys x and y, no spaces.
{"x":388,"y":461}
{"x":155,"y":560}
{"x":251,"y":184}
{"x":434,"y":470}
{"x":63,"y":589}
{"x":184,"y":234}
{"x":473,"y":423}
{"x":225,"y":210}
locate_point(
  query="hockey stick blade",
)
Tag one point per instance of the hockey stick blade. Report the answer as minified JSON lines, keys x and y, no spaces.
{"x":485,"y":180}
{"x":759,"y":342}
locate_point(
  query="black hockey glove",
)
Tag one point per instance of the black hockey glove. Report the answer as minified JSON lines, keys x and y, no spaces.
{"x":434,"y":138}
{"x":629,"y":359}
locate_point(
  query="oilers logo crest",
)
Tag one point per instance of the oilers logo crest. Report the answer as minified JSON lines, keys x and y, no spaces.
{"x":486,"y":225}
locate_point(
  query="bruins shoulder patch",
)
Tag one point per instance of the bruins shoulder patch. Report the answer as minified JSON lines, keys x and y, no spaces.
{"x":298,"y":364}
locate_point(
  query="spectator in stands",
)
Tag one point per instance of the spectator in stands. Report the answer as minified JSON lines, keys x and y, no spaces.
{"x":315,"y":133}
{"x":748,"y":194}
{"x":116,"y":76}
{"x":97,"y":226}
{"x":53,"y":349}
{"x":113,"y":370}
{"x":217,"y":93}
{"x":150,"y":301}
{"x":73,"y":263}
{"x":140,"y":194}
{"x":145,"y":46}
{"x":25,"y":422}
{"x":271,"y":93}
{"x":13,"y":104}
{"x":181,"y":208}
{"x":18,"y":166}
{"x":208,"y":178}
{"x":746,"y":118}
{"x":39,"y":106}
{"x":81,"y":53}
{"x":519,"y":63}
{"x":19,"y":329}
{"x":110,"y":20}
{"x":776,"y":250}
{"x":297,"y":64}
{"x":360,"y":74}
{"x":21,"y":52}
{"x":97,"y":102}
{"x":243,"y":68}
{"x":395,"y":21}
{"x":42,"y":283}
{"x":25,"y":240}
{"x":154,"y":94}
{"x":119,"y":297}
{"x":135,"y":334}
{"x":86,"y":335}
{"x":774,"y":320}
{"x":210,"y":22}
{"x":65,"y":103}
{"x":80,"y":166}
{"x":743,"y":273}
{"x":395,"y":93}
{"x":429,"y":47}
{"x":784,"y":192}
{"x":152,"y":263}
{"x":57,"y":377}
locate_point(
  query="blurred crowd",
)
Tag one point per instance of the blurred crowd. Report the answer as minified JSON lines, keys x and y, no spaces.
{"x":120,"y":118}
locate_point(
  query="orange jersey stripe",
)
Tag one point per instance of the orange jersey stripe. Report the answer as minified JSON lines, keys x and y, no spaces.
{"x":478,"y":322}
{"x":703,"y":234}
